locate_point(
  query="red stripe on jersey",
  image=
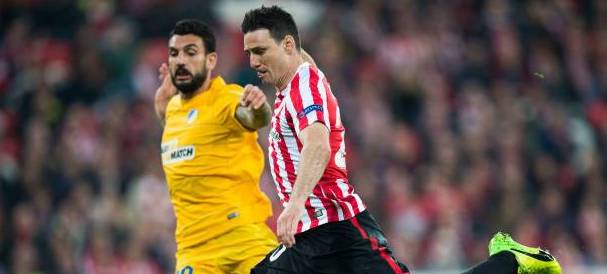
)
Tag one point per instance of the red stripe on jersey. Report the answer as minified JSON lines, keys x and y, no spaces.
{"x":295,"y":96}
{"x":299,"y":227}
{"x":279,"y":98}
{"x":316,"y":98}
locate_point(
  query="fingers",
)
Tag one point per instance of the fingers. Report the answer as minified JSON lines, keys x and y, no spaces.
{"x":280,"y":229}
{"x":283,"y":237}
{"x":165,"y":79}
{"x":252,"y":97}
{"x":245,"y":100}
{"x":293,"y":230}
{"x":286,"y":229}
{"x":258,"y":102}
{"x":166,"y":88}
{"x":163,"y":72}
{"x":289,"y":235}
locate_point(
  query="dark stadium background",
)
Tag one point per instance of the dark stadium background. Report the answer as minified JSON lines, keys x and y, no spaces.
{"x":464,"y":117}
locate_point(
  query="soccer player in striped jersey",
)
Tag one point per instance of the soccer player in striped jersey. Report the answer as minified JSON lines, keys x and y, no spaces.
{"x":324,"y":226}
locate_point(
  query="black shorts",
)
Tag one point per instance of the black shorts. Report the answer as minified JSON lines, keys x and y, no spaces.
{"x":352,"y":246}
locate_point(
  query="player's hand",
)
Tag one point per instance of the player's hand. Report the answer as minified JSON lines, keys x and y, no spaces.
{"x":166,"y":89}
{"x":252,"y":97}
{"x":287,"y":223}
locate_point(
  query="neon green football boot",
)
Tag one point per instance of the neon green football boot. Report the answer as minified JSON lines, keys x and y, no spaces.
{"x":530,"y":260}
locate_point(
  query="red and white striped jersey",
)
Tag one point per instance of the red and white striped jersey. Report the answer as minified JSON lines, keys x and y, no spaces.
{"x":308,"y":99}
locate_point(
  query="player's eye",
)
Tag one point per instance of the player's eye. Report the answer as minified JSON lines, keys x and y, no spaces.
{"x":191,"y":52}
{"x":172,"y":53}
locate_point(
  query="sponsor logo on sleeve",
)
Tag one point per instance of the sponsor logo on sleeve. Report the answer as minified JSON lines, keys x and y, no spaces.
{"x":309,"y":109}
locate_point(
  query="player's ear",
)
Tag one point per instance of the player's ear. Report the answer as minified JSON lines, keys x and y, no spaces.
{"x":211,"y":60}
{"x":288,"y":44}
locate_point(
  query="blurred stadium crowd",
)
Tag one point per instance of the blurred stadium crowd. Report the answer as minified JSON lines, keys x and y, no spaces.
{"x":464,"y":117}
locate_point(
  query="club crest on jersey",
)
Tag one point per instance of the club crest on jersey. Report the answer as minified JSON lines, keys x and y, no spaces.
{"x":192,"y":115}
{"x":309,"y":109}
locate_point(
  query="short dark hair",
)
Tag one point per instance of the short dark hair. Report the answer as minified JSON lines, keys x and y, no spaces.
{"x":198,"y":28}
{"x":279,"y":22}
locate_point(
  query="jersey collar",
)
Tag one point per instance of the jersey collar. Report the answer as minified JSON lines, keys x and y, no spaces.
{"x":284,"y":91}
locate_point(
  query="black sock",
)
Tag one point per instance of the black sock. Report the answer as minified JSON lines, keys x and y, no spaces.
{"x":500,"y":263}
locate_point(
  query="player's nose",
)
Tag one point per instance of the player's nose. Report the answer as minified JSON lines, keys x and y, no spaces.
{"x":254,"y":61}
{"x":180,"y":59}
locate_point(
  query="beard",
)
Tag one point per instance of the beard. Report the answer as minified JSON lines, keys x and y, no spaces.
{"x":189,"y":87}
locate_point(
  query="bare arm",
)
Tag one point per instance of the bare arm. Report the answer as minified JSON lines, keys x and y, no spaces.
{"x":254,"y":111}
